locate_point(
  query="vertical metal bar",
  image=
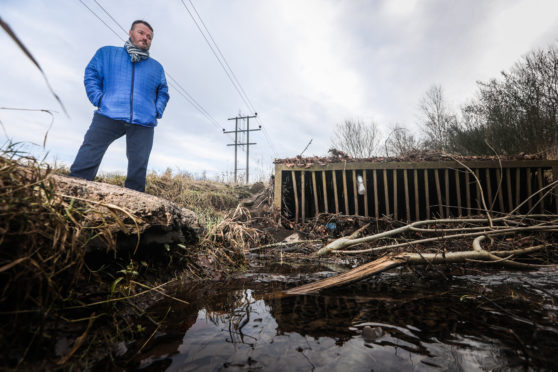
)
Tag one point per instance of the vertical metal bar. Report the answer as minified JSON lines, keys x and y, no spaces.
{"x":529,"y":187}
{"x":278,"y":188}
{"x":376,"y":206}
{"x":458,"y":192}
{"x":517,"y":187}
{"x":355,"y":193}
{"x":303,"y":195}
{"x":489,"y":188}
{"x":500,"y":189}
{"x":324,"y":185}
{"x":345,"y":192}
{"x":540,"y":179}
{"x":468,"y":192}
{"x":508,"y":184}
{"x":386,"y":192}
{"x":365,"y":193}
{"x":479,"y":194}
{"x":407,"y":201}
{"x":447,"y":187}
{"x":395,"y":206}
{"x":439,"y":193}
{"x":295,"y":195}
{"x":417,"y":205}
{"x":315,"y":189}
{"x":335,"y":191}
{"x":427,"y":194}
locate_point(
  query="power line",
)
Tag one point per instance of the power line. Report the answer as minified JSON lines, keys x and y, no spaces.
{"x":228,"y":70}
{"x":217,"y":56}
{"x":100,"y":19}
{"x":110,"y":16}
{"x":249,"y":103}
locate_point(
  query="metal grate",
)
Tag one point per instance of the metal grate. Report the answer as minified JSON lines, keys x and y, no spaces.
{"x":414,"y":191}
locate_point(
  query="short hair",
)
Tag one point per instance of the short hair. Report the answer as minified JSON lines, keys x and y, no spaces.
{"x":143,"y":22}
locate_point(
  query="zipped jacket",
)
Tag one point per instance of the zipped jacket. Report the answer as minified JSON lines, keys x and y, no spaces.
{"x":136,"y":93}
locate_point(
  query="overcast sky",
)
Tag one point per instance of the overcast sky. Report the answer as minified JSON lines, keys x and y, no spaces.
{"x":305,"y":66}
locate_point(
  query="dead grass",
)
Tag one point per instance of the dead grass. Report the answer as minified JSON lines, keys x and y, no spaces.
{"x":210,"y":200}
{"x":46,"y":276}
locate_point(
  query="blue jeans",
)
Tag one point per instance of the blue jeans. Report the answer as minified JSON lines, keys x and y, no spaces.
{"x":102,"y":132}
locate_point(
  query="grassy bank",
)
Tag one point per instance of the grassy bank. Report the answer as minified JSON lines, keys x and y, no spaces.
{"x":53,"y":287}
{"x":209,"y":199}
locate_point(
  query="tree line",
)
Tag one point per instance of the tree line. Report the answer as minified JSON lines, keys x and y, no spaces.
{"x":514,"y":113}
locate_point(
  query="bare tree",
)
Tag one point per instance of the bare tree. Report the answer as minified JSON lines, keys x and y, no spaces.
{"x":356,"y":138}
{"x":437,"y":120}
{"x":400,"y":141}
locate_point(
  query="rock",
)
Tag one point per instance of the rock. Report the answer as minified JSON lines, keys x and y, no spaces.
{"x":160,"y":221}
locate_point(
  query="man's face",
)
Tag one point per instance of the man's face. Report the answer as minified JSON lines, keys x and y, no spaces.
{"x":141,"y":36}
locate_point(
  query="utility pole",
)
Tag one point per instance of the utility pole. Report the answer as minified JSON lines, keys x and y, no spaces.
{"x":247,"y":143}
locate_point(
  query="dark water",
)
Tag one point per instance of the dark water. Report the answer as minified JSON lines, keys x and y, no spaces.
{"x":450,"y":321}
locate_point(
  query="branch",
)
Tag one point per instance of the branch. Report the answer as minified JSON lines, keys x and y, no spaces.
{"x":349,"y":241}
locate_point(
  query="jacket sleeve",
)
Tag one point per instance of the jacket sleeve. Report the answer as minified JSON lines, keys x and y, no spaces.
{"x":93,"y":79}
{"x":162,"y":96}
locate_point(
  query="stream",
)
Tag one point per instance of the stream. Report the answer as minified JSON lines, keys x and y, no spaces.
{"x":450,"y":320}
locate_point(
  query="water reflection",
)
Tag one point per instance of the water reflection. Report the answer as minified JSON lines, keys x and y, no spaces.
{"x":383,"y":324}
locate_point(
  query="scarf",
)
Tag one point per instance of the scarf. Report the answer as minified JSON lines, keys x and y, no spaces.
{"x":136,"y":53}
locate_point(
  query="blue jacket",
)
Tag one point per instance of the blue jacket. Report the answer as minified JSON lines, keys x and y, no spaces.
{"x":136,"y":93}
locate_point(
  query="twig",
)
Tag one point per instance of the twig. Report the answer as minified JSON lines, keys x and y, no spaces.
{"x":79,"y":341}
{"x":284,"y":244}
{"x":119,"y":298}
{"x":160,"y":292}
{"x":486,"y":210}
{"x":448,"y":237}
{"x":305,"y":147}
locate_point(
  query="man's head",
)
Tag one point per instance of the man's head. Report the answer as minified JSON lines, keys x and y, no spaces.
{"x":141,"y":34}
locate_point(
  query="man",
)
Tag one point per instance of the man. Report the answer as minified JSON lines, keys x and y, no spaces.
{"x":130,"y":92}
